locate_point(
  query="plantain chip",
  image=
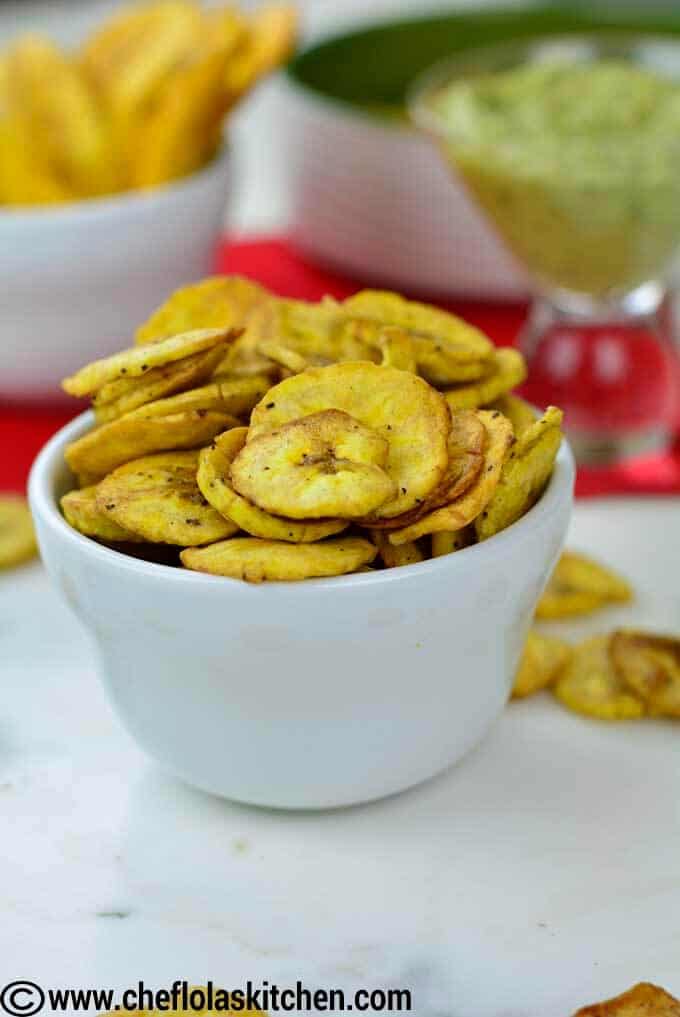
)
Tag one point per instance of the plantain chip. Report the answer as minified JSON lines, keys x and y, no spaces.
{"x":259,"y":560}
{"x":64,"y":121}
{"x":326,"y":464}
{"x":133,"y":53}
{"x":466,"y":443}
{"x":214,"y":465}
{"x":525,"y":474}
{"x":17,"y":538}
{"x":649,"y":664}
{"x":234,"y":397}
{"x":591,"y":685}
{"x":393,"y":557}
{"x":399,"y":406}
{"x":506,"y":371}
{"x":466,"y":508}
{"x":643,"y":1000}
{"x":269,"y":40}
{"x":447,"y":541}
{"x":25,"y":176}
{"x":282,"y":356}
{"x":183,"y":131}
{"x":216,"y":302}
{"x":126,"y":394}
{"x":520,"y":414}
{"x":580,"y":585}
{"x":396,"y":348}
{"x":132,"y":436}
{"x":543,"y":659}
{"x":447,"y":349}
{"x":136,"y":361}
{"x":81,"y":512}
{"x":157,"y":498}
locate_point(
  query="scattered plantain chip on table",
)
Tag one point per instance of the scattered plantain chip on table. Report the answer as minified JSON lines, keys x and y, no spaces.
{"x":580,"y":585}
{"x":643,"y":1000}
{"x":543,"y":659}
{"x":649,"y":664}
{"x":591,"y":685}
{"x":17,"y":539}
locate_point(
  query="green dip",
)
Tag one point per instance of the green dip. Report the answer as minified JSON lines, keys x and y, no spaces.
{"x":578,"y":166}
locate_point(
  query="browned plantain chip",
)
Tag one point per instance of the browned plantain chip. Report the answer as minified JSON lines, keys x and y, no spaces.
{"x":467,"y":507}
{"x":590,"y":684}
{"x":650,"y":666}
{"x":643,"y":1000}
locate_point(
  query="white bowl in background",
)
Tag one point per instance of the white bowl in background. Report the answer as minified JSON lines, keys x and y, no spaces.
{"x":78,"y":279}
{"x":314,"y":694}
{"x":376,"y":200}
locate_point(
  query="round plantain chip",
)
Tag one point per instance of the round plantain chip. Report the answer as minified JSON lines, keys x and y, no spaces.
{"x":580,"y":585}
{"x":17,"y":538}
{"x":642,"y":1000}
{"x":505,"y":371}
{"x":132,"y":436}
{"x":447,"y":349}
{"x":136,"y":361}
{"x":400,"y":406}
{"x":650,"y":666}
{"x":468,"y":506}
{"x":214,"y":465}
{"x":258,"y":561}
{"x":126,"y":394}
{"x":157,"y":498}
{"x":81,"y":512}
{"x":543,"y":659}
{"x":325,"y":465}
{"x":591,"y":685}
{"x":525,"y":474}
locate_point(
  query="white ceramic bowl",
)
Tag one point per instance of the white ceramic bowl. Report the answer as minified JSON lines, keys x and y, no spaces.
{"x":78,"y":279}
{"x":377,"y":201}
{"x":313,"y":694}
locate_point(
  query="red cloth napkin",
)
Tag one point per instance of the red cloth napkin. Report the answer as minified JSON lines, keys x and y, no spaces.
{"x":274,"y":263}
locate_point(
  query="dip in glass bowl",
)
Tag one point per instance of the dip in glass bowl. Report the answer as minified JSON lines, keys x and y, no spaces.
{"x":570,"y":146}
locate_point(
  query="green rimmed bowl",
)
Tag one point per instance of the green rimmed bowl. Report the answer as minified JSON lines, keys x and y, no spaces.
{"x":367,"y":194}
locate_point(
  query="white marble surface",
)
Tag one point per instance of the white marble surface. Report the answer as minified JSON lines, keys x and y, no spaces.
{"x":541,"y":873}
